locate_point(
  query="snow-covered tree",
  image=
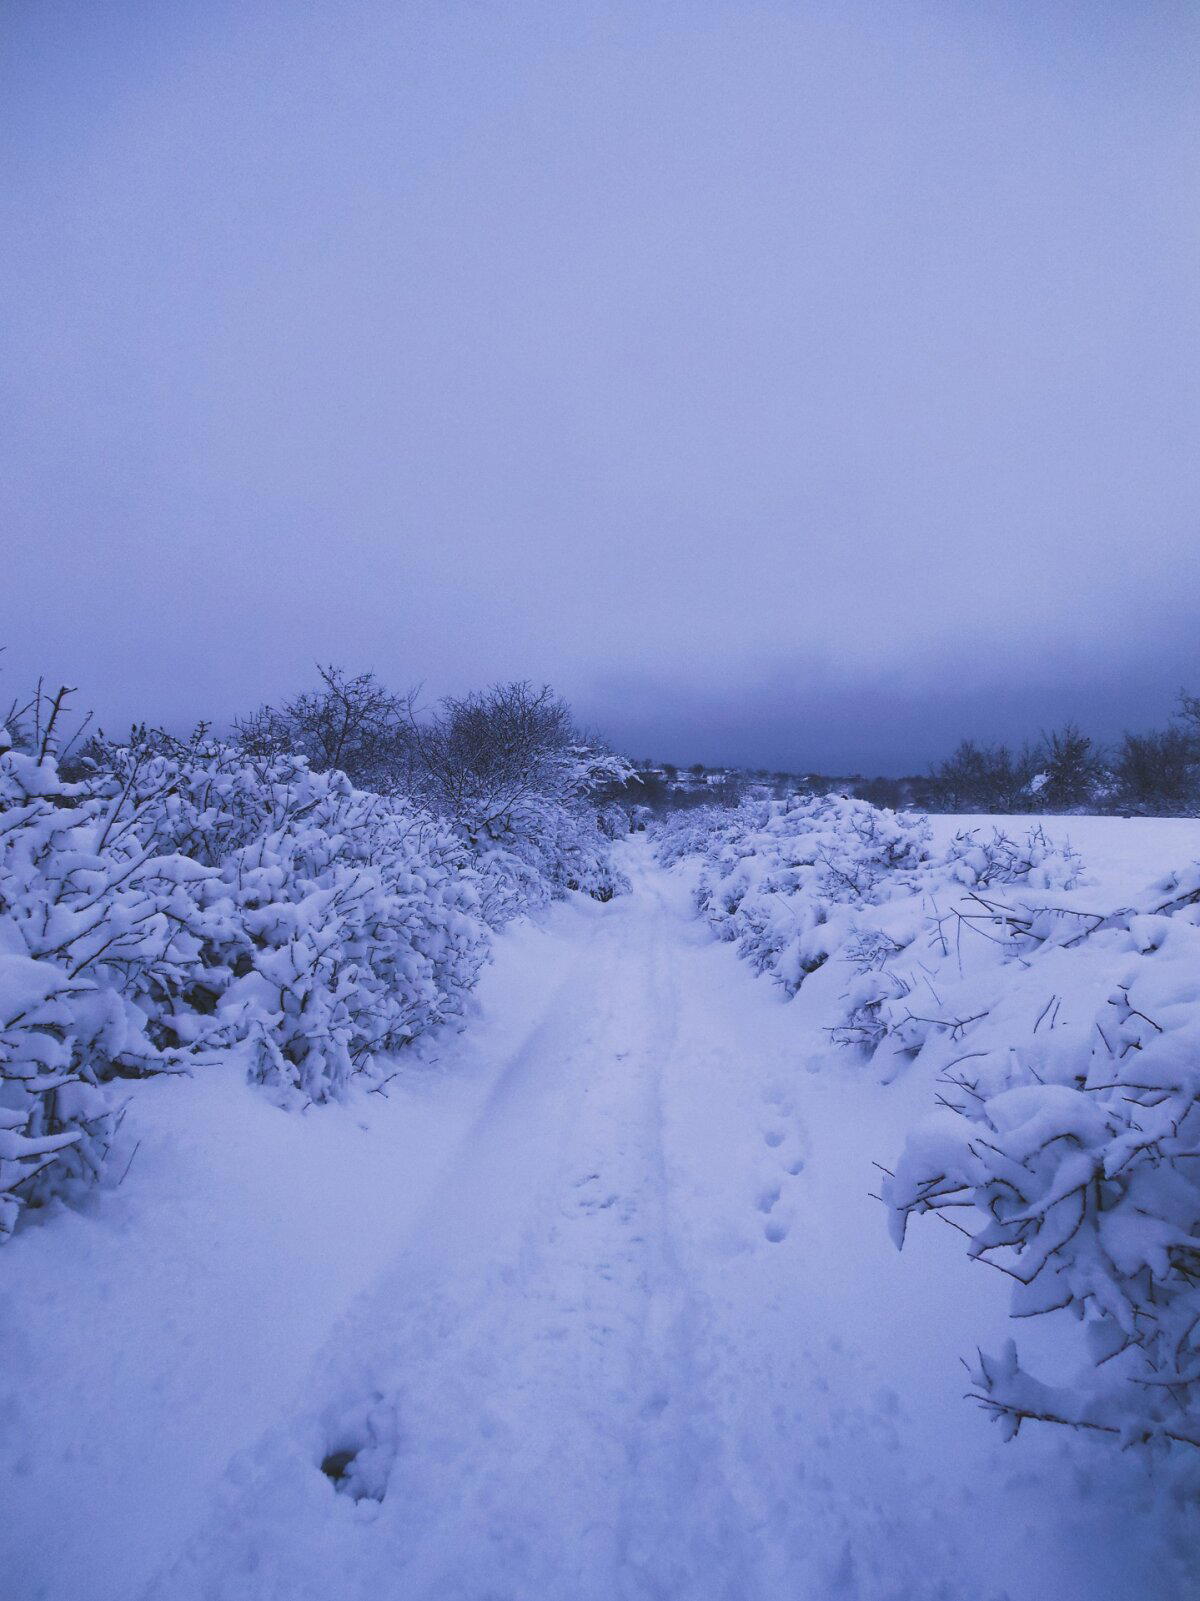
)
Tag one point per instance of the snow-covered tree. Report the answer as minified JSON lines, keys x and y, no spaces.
{"x":351,"y":724}
{"x":509,"y":771}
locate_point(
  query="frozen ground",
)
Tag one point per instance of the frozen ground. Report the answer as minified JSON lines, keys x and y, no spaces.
{"x":595,"y":1305}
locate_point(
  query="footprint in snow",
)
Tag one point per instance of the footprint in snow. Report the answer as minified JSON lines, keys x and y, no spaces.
{"x":361,"y":1450}
{"x":770,"y":1200}
{"x":785,"y":1143}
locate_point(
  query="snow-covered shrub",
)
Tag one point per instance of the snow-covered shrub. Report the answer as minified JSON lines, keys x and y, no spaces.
{"x":786,"y":879}
{"x":540,"y":853}
{"x":903,"y":974}
{"x":98,"y":935}
{"x":518,"y":784}
{"x":614,"y":820}
{"x":562,"y":839}
{"x":49,"y":1134}
{"x":693,"y":831}
{"x":877,"y":992}
{"x":349,"y":922}
{"x":185,"y":900}
{"x":1040,"y":862}
{"x":1067,"y":1145}
{"x":361,"y":938}
{"x":793,"y":882}
{"x":535,"y":802}
{"x":531,"y":804}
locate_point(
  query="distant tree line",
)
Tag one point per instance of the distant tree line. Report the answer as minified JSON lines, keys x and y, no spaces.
{"x":482,"y":758}
{"x":1156,"y":773}
{"x":663,"y":787}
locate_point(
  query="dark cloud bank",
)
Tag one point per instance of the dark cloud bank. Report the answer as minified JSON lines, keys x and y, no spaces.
{"x":797,"y":384}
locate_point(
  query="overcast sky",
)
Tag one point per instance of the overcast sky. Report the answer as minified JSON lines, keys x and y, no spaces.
{"x":799,"y":384}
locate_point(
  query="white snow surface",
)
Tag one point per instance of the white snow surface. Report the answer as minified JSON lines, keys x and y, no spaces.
{"x":596,"y":1297}
{"x":1121,"y":855}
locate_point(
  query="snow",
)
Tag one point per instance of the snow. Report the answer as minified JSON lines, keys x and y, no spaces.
{"x":1120,"y":854}
{"x":594,"y":1302}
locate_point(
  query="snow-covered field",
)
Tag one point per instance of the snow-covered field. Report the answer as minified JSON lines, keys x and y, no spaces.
{"x":597,"y":1293}
{"x":1120,"y":854}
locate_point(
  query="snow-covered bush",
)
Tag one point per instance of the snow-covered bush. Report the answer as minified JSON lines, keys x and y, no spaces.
{"x":793,"y":882}
{"x":560,"y":845}
{"x":876,"y":1000}
{"x":97,"y":934}
{"x":786,"y":879}
{"x":520,"y":786}
{"x":694,"y":831}
{"x":536,"y":803}
{"x":899,"y":984}
{"x":1042,"y":863}
{"x":613,"y":819}
{"x":1067,"y":1146}
{"x":540,"y":853}
{"x":181,"y":901}
{"x":348,"y":922}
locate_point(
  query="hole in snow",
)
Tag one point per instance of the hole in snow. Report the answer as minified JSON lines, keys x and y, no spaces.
{"x":362,"y":1451}
{"x":336,"y":1465}
{"x":360,"y":1474}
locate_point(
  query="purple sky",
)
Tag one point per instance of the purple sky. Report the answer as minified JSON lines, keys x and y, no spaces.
{"x":804,"y":384}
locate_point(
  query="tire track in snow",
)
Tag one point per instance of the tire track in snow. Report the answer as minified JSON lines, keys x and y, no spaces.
{"x":681,"y":1529}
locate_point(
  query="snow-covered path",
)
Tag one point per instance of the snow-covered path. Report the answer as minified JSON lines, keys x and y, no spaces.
{"x":647,"y":1339}
{"x":536,"y":1380}
{"x":596,"y":1307}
